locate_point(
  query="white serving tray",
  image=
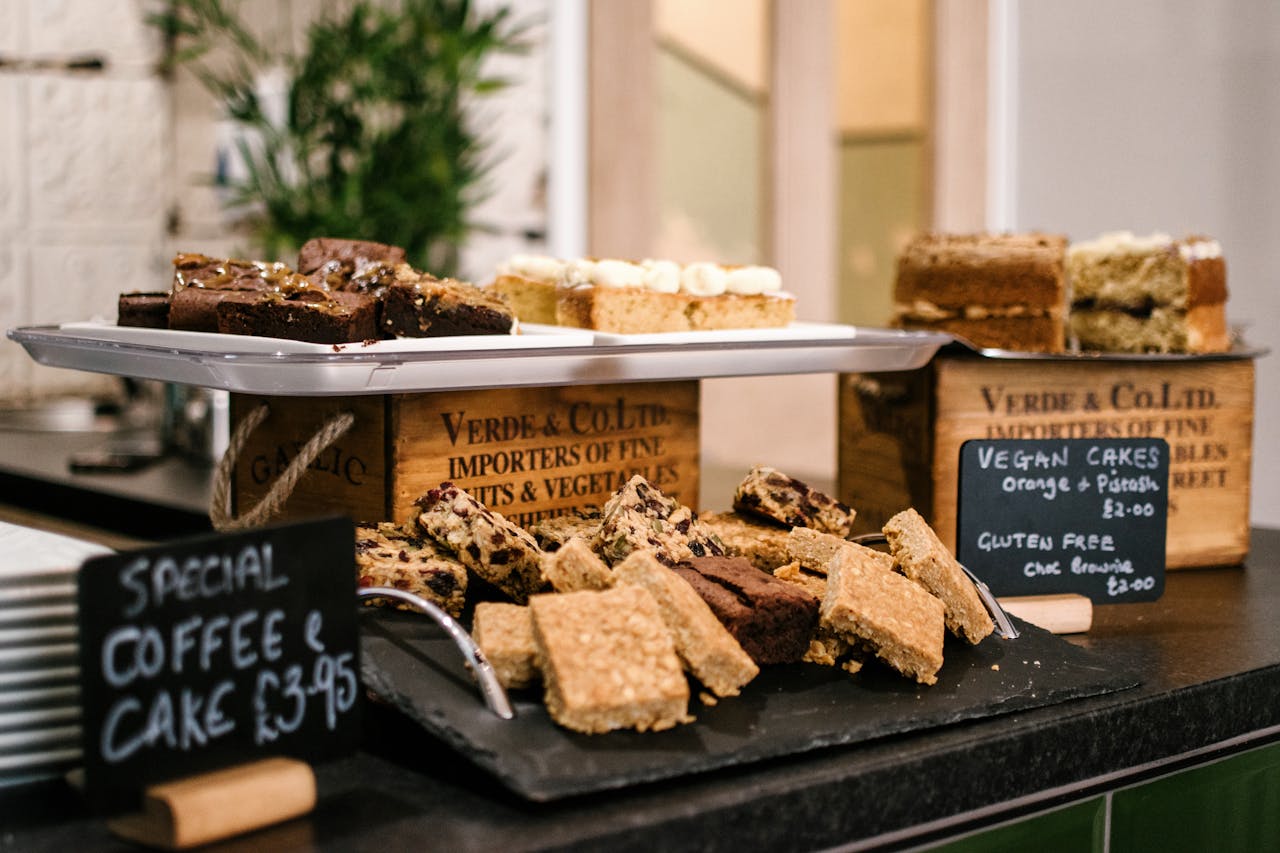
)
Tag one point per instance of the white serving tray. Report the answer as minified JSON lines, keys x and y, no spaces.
{"x":540,"y":356}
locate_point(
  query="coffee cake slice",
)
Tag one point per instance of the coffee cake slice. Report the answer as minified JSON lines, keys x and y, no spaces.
{"x":763,"y":543}
{"x":504,"y":632}
{"x":608,"y":661}
{"x":920,"y":555}
{"x":486,"y":542}
{"x":708,"y":649}
{"x":815,"y":550}
{"x":769,"y":493}
{"x":388,"y":554}
{"x":639,"y":517}
{"x":894,"y":617}
{"x":574,"y":566}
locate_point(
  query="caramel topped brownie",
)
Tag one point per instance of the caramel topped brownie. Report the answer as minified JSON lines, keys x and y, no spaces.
{"x":921,"y":556}
{"x":343,"y":258}
{"x":312,"y":315}
{"x":399,"y":557}
{"x":608,"y":661}
{"x":896,"y":618}
{"x":764,"y":543}
{"x":504,"y":632}
{"x":639,"y":517}
{"x":201,"y":284}
{"x":419,"y":305}
{"x":771,"y":620}
{"x":708,"y":649}
{"x":487,"y":543}
{"x":769,"y":493}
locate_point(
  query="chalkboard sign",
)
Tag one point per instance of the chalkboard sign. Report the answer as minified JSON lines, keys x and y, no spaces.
{"x":1079,"y":515}
{"x":217,"y":650}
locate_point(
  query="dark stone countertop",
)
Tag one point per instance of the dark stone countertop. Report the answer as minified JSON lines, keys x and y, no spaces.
{"x":1208,"y":653}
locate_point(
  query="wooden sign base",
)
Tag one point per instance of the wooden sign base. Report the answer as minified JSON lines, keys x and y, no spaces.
{"x":220,"y":804}
{"x":1065,"y":613}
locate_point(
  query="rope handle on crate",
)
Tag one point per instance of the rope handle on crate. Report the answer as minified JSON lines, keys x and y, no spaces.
{"x":272,"y":502}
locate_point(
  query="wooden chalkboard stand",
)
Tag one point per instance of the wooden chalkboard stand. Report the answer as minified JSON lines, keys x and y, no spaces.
{"x":1063,"y":613}
{"x":220,"y":804}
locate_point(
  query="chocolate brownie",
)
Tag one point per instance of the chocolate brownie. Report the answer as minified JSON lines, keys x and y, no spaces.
{"x":771,"y":619}
{"x":312,"y":315}
{"x":419,"y":305}
{"x":144,"y":310}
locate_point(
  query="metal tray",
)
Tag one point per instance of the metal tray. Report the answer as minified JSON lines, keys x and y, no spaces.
{"x":561,"y":357}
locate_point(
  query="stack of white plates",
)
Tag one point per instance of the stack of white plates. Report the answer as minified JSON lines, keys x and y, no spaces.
{"x":39,"y":692}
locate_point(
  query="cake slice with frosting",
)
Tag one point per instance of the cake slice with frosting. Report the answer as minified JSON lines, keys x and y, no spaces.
{"x":1148,"y":294}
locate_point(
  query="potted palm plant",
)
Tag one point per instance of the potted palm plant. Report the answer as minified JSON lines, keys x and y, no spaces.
{"x":367,"y":133}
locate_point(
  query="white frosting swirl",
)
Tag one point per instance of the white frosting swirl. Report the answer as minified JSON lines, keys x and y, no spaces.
{"x":580,"y":271}
{"x":703,"y":279}
{"x":613,"y":273}
{"x":536,"y":267}
{"x":661,"y":276}
{"x":753,"y":280}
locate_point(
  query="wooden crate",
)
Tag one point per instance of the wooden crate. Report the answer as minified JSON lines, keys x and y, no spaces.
{"x":900,"y":435}
{"x":528,"y":453}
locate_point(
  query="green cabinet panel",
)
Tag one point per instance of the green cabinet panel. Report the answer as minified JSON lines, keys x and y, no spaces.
{"x":1078,"y":828}
{"x":1229,"y":805}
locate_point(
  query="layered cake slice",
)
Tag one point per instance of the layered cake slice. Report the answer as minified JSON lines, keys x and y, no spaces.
{"x":1005,"y":291}
{"x":772,"y":620}
{"x":768,"y":493}
{"x":608,"y":661}
{"x":401,"y":558}
{"x":1148,"y":294}
{"x":920,"y":555}
{"x":707,"y":648}
{"x":419,"y":305}
{"x":485,"y":542}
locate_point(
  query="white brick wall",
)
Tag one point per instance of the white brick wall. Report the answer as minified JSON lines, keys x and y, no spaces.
{"x":92,"y":162}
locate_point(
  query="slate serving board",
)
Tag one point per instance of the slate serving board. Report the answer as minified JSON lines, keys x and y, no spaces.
{"x":410,"y":662}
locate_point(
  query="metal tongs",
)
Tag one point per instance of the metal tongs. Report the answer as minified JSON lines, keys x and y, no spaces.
{"x":1004,"y":625}
{"x":495,"y":697}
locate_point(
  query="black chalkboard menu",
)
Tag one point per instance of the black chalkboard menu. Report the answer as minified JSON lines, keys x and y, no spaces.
{"x":213,"y":651}
{"x":1076,"y":515}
